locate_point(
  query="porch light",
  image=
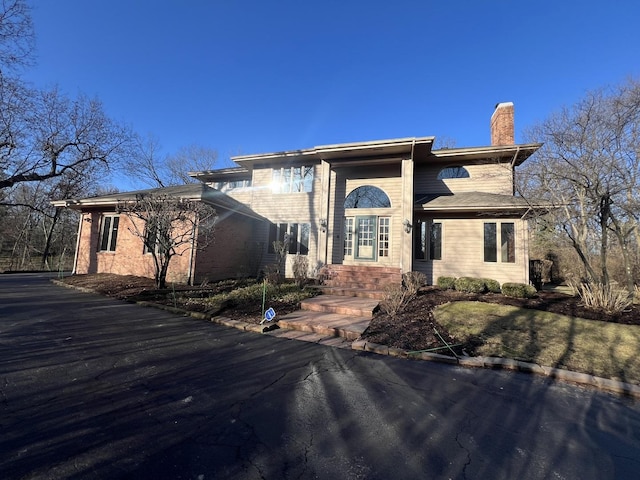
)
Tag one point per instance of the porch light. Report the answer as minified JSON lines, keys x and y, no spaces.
{"x":323,"y":224}
{"x":407,"y":226}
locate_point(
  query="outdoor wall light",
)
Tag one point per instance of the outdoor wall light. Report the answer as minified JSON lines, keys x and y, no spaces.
{"x":407,"y":226}
{"x":323,"y":224}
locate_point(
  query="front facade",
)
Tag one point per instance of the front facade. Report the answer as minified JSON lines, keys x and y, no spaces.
{"x":397,"y":204}
{"x":394,"y":203}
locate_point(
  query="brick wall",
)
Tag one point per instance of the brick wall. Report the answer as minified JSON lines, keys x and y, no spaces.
{"x":128,"y":257}
{"x":502,"y":125}
{"x":236,"y":250}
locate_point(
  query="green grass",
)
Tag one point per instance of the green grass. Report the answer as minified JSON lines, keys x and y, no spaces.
{"x":252,"y":295}
{"x":603,"y":349}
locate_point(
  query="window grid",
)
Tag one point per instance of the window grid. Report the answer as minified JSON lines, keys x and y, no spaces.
{"x":348,"y":237}
{"x":109,"y":233}
{"x":292,"y":179}
{"x":383,"y":236}
{"x":296,"y":235}
{"x":506,"y":241}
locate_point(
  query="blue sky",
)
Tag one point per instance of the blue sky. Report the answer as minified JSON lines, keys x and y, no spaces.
{"x":259,"y":76}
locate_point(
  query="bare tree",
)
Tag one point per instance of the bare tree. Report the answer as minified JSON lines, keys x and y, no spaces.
{"x":152,"y":168}
{"x":169,"y":226}
{"x":16,"y":35}
{"x":45,"y":134}
{"x":589,"y":169}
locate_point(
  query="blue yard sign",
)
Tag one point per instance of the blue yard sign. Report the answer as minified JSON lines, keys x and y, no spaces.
{"x":269,"y":315}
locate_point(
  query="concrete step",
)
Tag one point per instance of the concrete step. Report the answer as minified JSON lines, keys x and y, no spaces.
{"x":327,"y":340}
{"x":351,"y":292}
{"x":350,"y":306}
{"x":325,"y":324}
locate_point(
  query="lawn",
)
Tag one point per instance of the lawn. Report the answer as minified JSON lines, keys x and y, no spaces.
{"x":599,"y":348}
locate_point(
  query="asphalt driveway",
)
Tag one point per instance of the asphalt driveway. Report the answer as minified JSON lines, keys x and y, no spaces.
{"x":92,"y":387}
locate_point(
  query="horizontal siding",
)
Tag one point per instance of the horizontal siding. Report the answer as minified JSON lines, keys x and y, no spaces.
{"x":463,"y":253}
{"x":490,"y":178}
{"x":346,"y":180}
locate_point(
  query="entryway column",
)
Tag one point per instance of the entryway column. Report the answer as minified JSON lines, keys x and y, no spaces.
{"x":406,"y":244}
{"x":324,"y":222}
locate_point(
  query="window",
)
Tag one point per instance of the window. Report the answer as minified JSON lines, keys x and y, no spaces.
{"x":435,"y":241}
{"x":420,"y":239}
{"x":292,"y":179}
{"x":295,"y":235}
{"x":367,"y":196}
{"x":153,"y":242}
{"x":507,"y":242}
{"x":453,"y":172}
{"x":490,"y":242}
{"x":348,"y":237}
{"x":227,"y":185}
{"x":109,"y":233}
{"x":428,"y":239}
{"x":383,"y":236}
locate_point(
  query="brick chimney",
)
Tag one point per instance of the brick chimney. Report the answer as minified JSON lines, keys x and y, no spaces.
{"x":502,"y":125}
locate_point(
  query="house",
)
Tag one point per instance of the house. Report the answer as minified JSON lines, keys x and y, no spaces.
{"x":390,"y":206}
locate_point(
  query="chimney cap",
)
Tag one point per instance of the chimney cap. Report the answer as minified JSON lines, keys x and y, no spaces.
{"x":503,"y":104}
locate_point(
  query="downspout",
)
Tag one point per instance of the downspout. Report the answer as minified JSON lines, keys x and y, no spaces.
{"x":75,"y":258}
{"x":513,"y":170}
{"x":192,"y":255}
{"x":525,"y":251}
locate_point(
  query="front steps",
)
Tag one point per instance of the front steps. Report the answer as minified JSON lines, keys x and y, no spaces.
{"x":351,"y":294}
{"x":359,"y":281}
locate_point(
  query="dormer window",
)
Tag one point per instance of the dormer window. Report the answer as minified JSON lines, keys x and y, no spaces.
{"x":454,"y":171}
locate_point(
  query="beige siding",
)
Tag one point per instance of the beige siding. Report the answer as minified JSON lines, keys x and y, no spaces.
{"x":463,"y":253}
{"x":387,"y":179}
{"x":490,"y":178}
{"x":299,"y":207}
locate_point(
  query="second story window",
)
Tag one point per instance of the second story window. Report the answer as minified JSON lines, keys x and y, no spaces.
{"x":455,"y":171}
{"x":292,"y":179}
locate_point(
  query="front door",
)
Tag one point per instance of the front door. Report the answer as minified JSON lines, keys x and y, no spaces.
{"x":365,"y":238}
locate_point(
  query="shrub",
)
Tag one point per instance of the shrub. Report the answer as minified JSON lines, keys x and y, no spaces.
{"x":518,"y":290}
{"x":272,"y":274}
{"x":446,"y":283}
{"x":493,"y":286}
{"x":608,"y":298}
{"x":470,"y":285}
{"x":394,"y":300}
{"x":301,"y":270}
{"x":413,"y":281}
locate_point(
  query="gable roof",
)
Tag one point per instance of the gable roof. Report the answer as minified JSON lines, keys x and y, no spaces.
{"x":196,"y":191}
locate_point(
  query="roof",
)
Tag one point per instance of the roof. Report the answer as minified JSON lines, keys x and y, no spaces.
{"x":374,"y":152}
{"x":471,"y":201}
{"x":195,"y":191}
{"x":397,"y":147}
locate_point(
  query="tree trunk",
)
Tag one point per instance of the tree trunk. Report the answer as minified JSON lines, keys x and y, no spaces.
{"x":605,"y":211}
{"x":48,"y":236}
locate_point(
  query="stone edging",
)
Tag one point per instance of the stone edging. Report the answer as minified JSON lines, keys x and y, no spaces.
{"x":605,"y":384}
{"x":613,"y":386}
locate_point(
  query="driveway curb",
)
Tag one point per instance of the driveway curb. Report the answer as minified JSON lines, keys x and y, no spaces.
{"x":495,"y":363}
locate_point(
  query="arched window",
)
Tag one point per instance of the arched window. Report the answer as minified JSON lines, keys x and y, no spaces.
{"x":453,"y":172}
{"x":367,"y":196}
